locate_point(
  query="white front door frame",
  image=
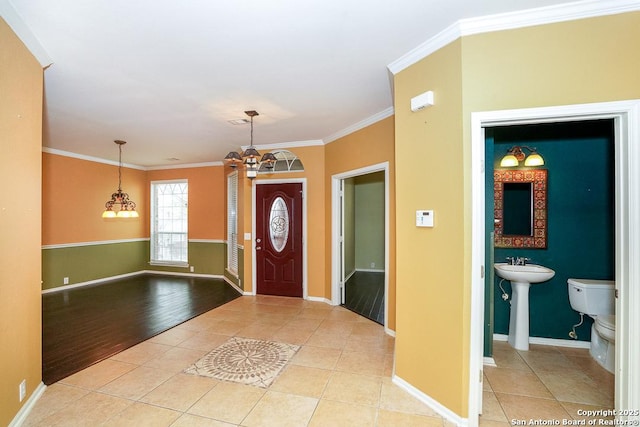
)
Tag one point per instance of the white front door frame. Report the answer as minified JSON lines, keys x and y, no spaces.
{"x":336,"y":213}
{"x":626,"y":116}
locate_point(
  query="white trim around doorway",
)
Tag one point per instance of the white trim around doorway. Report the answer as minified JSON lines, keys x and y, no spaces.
{"x":255,"y":182}
{"x":626,"y":116}
{"x":335,"y":233}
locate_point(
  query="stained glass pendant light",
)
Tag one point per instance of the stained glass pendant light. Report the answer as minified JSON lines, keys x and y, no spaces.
{"x":249,"y":157}
{"x":126,"y":207}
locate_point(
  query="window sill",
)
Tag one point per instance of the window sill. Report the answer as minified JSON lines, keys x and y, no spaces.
{"x":169,"y":264}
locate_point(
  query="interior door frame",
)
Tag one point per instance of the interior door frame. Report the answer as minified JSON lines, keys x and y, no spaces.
{"x":626,"y":116}
{"x":254,"y":270}
{"x":336,"y":215}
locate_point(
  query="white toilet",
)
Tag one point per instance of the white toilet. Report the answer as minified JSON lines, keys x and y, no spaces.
{"x":595,"y":298}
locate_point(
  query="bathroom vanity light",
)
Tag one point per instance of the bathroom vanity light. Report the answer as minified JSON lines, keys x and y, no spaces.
{"x":516,"y":154}
{"x":249,"y":157}
{"x":127,"y":207}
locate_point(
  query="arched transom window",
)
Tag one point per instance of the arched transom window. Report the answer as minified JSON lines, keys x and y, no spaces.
{"x":286,"y":161}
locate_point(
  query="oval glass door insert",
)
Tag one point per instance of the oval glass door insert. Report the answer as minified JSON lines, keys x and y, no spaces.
{"x":279,"y":224}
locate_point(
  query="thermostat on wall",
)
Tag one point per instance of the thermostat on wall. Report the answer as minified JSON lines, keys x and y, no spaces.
{"x":424,"y":218}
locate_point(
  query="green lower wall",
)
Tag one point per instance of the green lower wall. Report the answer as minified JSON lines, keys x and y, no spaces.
{"x":98,"y":261}
{"x":204,"y":257}
{"x":92,"y":262}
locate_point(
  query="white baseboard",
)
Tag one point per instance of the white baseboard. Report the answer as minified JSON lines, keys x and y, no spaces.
{"x":348,"y":276}
{"x":234,"y":286}
{"x":319,"y":299}
{"x":22,"y":414}
{"x":548,"y":341}
{"x":177,"y":273}
{"x":430,"y":402}
{"x":489,"y":361}
{"x":135,"y":273}
{"x":92,"y":282}
{"x":370,"y":270}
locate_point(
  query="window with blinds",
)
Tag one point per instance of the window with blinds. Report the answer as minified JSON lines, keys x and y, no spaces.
{"x":232,"y":222}
{"x":169,"y":220}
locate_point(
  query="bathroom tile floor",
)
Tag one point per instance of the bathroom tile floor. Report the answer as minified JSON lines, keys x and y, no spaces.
{"x":340,"y":376}
{"x":544,"y":383}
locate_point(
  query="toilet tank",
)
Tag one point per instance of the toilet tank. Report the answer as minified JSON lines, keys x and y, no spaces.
{"x":592,"y":297}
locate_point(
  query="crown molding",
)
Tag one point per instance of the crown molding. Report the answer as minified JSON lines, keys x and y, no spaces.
{"x":11,"y":17}
{"x":185,"y":166}
{"x":437,"y":42}
{"x":291,"y":144}
{"x":89,"y":158}
{"x":512,"y":20}
{"x":546,"y":15}
{"x":360,"y":125}
{"x":127,"y":165}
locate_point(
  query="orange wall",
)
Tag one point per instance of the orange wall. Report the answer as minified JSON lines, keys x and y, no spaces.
{"x":92,"y":183}
{"x":369,"y":146}
{"x":206,"y":199}
{"x":74,"y":192}
{"x":21,"y":87}
{"x":432,"y":294}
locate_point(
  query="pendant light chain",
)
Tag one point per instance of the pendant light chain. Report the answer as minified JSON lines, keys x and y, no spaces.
{"x":120,"y":168}
{"x":251,"y":131}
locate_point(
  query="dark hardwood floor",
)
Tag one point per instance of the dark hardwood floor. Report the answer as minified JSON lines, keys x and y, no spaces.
{"x":364,"y":294}
{"x":84,"y":325}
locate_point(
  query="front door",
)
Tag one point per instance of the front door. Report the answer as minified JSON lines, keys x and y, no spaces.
{"x":279,"y":239}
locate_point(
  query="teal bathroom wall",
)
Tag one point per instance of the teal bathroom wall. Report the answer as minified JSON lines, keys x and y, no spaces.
{"x":579,"y":157}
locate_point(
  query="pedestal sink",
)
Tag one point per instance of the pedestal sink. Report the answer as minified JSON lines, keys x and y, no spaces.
{"x":521,"y":277}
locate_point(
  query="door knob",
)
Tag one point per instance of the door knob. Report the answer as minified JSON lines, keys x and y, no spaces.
{"x":258,"y":248}
{"x":258,"y":240}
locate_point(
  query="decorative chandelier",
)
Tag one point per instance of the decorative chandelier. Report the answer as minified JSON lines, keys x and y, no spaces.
{"x":249,"y":157}
{"x":127,"y":207}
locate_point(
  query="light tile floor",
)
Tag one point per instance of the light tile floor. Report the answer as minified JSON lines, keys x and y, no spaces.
{"x":544,"y":383}
{"x":341,"y":376}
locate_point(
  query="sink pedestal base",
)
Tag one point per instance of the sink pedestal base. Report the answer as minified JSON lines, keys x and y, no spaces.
{"x":519,"y":316}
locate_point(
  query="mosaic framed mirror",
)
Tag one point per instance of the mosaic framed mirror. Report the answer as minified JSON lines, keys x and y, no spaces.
{"x":520,"y":208}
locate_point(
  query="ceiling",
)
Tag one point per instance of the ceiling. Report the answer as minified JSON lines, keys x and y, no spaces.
{"x":167,"y":76}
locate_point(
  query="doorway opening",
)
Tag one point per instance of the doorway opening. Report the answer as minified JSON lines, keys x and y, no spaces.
{"x":577,"y":205}
{"x":626,"y":118}
{"x":363,"y":245}
{"x":565,"y":222}
{"x":360,"y":239}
